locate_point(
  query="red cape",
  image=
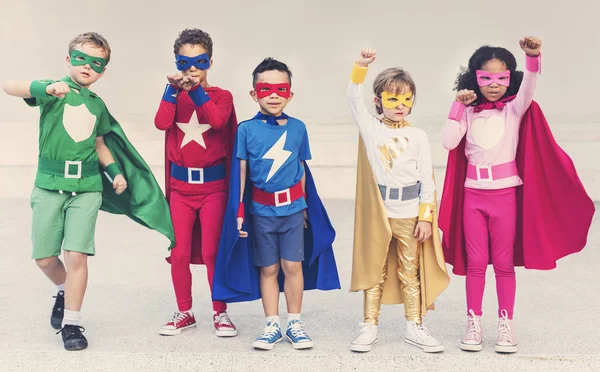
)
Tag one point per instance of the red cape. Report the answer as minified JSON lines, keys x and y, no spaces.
{"x":231,"y":128}
{"x":554,"y":213}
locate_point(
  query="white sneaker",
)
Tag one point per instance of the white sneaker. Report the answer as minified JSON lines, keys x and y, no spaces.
{"x":366,"y":339}
{"x":506,"y":342}
{"x":417,"y":335}
{"x":473,"y":339}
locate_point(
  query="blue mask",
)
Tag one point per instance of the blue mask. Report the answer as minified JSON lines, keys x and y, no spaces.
{"x":201,"y":62}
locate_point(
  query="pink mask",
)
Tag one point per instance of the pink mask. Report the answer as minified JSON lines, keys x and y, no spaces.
{"x":485,"y":78}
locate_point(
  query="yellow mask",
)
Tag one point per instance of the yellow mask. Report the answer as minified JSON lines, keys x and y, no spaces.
{"x":389,"y":100}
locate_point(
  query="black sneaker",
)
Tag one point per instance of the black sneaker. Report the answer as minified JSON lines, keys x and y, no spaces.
{"x":72,"y":337}
{"x":58,"y":311}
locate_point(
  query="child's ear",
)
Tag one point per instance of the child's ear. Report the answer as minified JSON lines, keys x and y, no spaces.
{"x":253,"y":95}
{"x":377,"y":101}
{"x":211,"y":63}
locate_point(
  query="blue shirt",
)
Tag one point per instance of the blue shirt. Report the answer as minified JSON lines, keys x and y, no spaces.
{"x":274,"y":154}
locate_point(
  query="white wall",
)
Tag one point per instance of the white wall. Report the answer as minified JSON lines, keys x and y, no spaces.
{"x":318,"y":39}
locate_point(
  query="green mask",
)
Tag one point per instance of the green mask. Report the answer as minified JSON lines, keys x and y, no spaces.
{"x":81,"y":59}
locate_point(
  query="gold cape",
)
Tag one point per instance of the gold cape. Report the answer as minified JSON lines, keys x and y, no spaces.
{"x":373,"y":238}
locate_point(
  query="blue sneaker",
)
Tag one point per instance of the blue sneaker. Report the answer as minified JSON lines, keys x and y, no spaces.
{"x":297,"y":336}
{"x":269,"y":337}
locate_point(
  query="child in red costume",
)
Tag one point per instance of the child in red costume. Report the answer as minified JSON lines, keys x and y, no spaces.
{"x":199,"y":122}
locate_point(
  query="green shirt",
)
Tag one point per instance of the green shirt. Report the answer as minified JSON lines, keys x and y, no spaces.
{"x":68,"y":130}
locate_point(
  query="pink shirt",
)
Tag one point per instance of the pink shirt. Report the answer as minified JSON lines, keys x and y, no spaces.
{"x":493,"y":135}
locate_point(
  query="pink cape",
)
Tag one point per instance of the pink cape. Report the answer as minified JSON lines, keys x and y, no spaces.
{"x":554,"y":213}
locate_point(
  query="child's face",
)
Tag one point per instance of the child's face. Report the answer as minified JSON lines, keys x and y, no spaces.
{"x":273,"y":104}
{"x":494,"y":91}
{"x":193,"y":50}
{"x":84,"y":75}
{"x":400,"y":112}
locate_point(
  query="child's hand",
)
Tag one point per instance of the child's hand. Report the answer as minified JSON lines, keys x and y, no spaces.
{"x":175,"y":79}
{"x":183,"y":82}
{"x":367,"y":56}
{"x":119,"y":184}
{"x":188,"y":82}
{"x":531,"y":45}
{"x":466,"y":96}
{"x":58,"y":89}
{"x":243,"y":234}
{"x":423,"y":231}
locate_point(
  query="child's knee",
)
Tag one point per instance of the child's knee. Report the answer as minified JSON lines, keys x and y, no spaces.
{"x":46,"y":263}
{"x":291,"y":268}
{"x":75,"y":260}
{"x":269,"y":271}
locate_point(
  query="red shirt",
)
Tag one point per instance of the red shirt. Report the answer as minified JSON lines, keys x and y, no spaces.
{"x":196,"y":136}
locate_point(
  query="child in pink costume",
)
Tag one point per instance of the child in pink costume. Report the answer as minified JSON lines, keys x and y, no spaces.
{"x":493,"y":104}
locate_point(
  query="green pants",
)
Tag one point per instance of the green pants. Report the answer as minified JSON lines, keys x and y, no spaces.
{"x":58,"y":217}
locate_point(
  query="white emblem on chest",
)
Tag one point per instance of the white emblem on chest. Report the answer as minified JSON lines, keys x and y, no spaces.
{"x":78,"y":122}
{"x":278,"y":155}
{"x":193,"y":131}
{"x":486,"y":133}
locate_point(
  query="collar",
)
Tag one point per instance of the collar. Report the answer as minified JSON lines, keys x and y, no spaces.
{"x":394,"y":124}
{"x":487,"y":105}
{"x":270,"y":118}
{"x":84,"y":92}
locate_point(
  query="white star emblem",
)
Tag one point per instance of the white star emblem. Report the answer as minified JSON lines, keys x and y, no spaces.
{"x":193,"y":131}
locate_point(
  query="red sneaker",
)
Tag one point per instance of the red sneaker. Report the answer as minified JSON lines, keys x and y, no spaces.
{"x":223,"y":325}
{"x":178,"y":323}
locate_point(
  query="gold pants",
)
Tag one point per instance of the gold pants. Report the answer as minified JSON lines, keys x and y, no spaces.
{"x":407,"y":247}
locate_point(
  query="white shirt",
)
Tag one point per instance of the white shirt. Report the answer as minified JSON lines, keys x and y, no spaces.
{"x":399,"y":157}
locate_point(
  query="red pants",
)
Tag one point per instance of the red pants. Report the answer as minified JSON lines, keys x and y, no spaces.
{"x":184,"y":210}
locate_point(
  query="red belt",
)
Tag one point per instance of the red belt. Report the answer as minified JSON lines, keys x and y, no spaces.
{"x":278,"y":198}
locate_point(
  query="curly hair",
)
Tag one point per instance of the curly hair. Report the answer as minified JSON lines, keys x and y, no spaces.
{"x":270,"y":64}
{"x":194,"y":36}
{"x":468,"y":80}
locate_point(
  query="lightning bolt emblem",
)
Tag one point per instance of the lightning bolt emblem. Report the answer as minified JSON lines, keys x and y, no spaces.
{"x":278,"y":155}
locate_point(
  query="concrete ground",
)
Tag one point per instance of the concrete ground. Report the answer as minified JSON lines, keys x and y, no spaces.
{"x":130,"y":296}
{"x":130,"y":293}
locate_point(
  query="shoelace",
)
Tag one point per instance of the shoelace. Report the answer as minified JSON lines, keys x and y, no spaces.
{"x":223,"y":319}
{"x":68,"y":329}
{"x":473,"y":328}
{"x":297,"y":329}
{"x":423,"y":331}
{"x":270,"y":331}
{"x":504,"y":330}
{"x":178,"y":317}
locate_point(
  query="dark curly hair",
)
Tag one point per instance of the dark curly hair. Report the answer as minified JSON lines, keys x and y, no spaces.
{"x":270,"y":64}
{"x":194,"y":36}
{"x":468,"y":80}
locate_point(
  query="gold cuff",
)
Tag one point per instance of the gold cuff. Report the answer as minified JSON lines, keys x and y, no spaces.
{"x":358,"y":74}
{"x":426,"y":212}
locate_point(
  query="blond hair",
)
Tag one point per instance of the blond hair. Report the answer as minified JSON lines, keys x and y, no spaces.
{"x":91,"y":38}
{"x":393,"y":80}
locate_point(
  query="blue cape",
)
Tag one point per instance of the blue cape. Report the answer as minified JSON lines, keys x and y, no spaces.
{"x":236,"y":279}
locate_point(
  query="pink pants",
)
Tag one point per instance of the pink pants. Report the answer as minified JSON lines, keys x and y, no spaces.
{"x":490,"y":219}
{"x":184,"y":209}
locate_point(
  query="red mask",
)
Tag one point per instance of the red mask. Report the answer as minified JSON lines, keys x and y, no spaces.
{"x":265,"y":89}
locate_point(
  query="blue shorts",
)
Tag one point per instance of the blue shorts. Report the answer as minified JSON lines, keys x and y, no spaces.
{"x":278,"y":238}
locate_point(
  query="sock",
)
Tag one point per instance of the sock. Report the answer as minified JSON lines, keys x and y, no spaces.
{"x":273,"y":319}
{"x":61,"y":287}
{"x":191,"y":311}
{"x":71,"y":317}
{"x":291,"y":317}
